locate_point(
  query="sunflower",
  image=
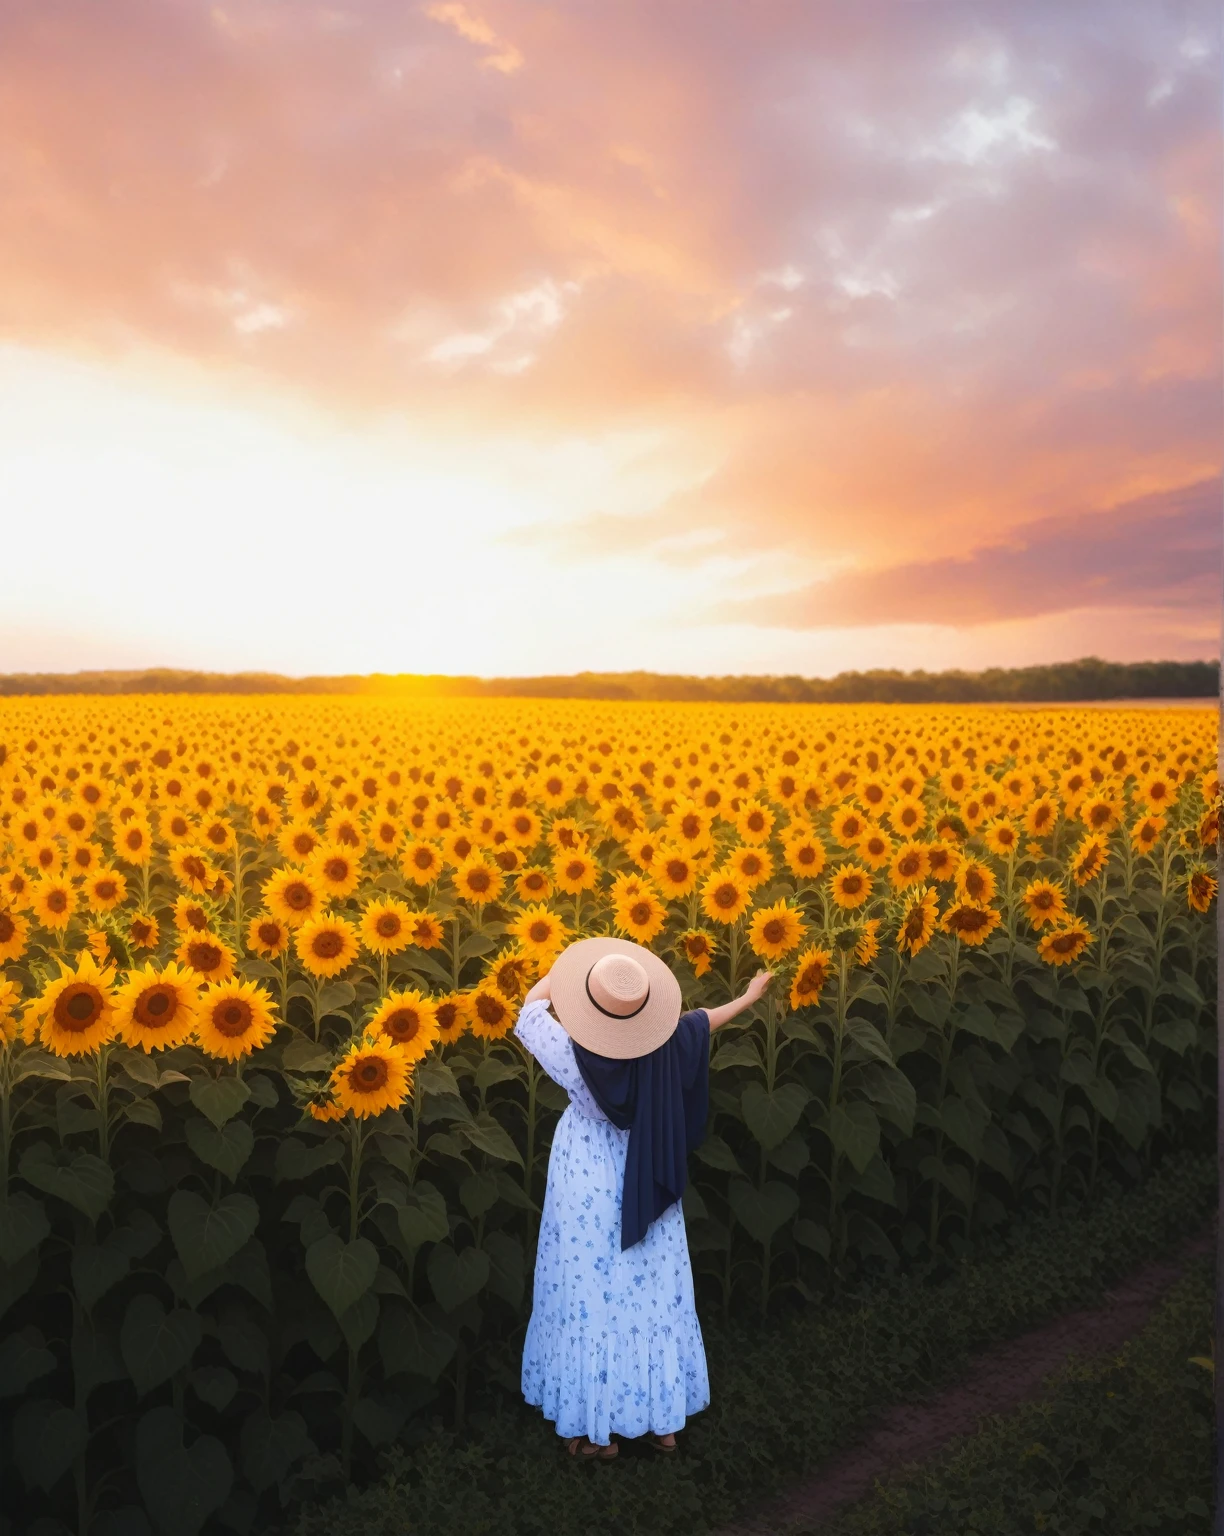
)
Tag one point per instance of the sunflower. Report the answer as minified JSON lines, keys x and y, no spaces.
{"x":178,"y":827}
{"x":812,"y":970}
{"x":209,"y":956}
{"x":872,"y":794}
{"x":190,"y":915}
{"x":754,"y":822}
{"x":553,"y":790}
{"x":565,"y":835}
{"x":909,"y":865}
{"x":81,"y":859}
{"x":386,"y":927}
{"x":644,"y":850}
{"x":848,"y":825}
{"x":426,"y":930}
{"x":155,"y":1010}
{"x":217,"y":835}
{"x":373,"y":1075}
{"x":234,"y":1018}
{"x":450,"y":1015}
{"x":293,"y":896}
{"x":540,"y":932}
{"x":265,"y":820}
{"x":14,"y":934}
{"x":326,"y":945}
{"x":344,"y":831}
{"x":752,"y":865}
{"x":1201,"y":887}
{"x":688,"y":825}
{"x":850,"y":886}
{"x":1101,"y":812}
{"x":511,"y":972}
{"x":918,"y":920}
{"x":1155,"y":791}
{"x":105,"y":890}
{"x":298,"y":841}
{"x":575,"y":872}
{"x":491,"y":1014}
{"x":1063,"y":945}
{"x":1146,"y":832}
{"x":421,"y":862}
{"x":1208,"y":829}
{"x":76,"y":1011}
{"x":970,"y":923}
{"x":459,"y":847}
{"x":268,"y":936}
{"x":1044,"y":902}
{"x":45,"y":857}
{"x":875,"y":848}
{"x":533,"y":884}
{"x":336,"y":869}
{"x":725,"y":896}
{"x":478,"y":881}
{"x":640,"y":917}
{"x":943,"y":862}
{"x":1041,"y":816}
{"x":10,"y":1019}
{"x":408,"y":1020}
{"x":774,"y":931}
{"x":698,"y":948}
{"x":54,"y":902}
{"x":805,"y":855}
{"x":386,"y":835}
{"x":1089,"y":858}
{"x":190,"y":866}
{"x":907,"y":815}
{"x":975,"y":882}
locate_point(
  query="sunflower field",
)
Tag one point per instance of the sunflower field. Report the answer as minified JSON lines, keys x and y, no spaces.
{"x":271,"y":1161}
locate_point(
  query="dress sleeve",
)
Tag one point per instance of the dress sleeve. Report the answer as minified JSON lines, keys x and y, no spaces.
{"x":539,"y":1032}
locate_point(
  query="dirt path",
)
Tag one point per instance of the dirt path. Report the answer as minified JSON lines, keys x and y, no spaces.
{"x":997,"y":1380}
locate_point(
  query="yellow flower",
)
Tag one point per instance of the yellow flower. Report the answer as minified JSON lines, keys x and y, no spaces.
{"x":540,"y":932}
{"x":154,"y":1009}
{"x":336,"y":869}
{"x":234,"y":1018}
{"x":511,"y":972}
{"x":850,"y":886}
{"x":478,"y":881}
{"x":386,"y":927}
{"x":1201,"y":888}
{"x":426,"y":930}
{"x":326,"y":945}
{"x":699,"y":948}
{"x":190,"y":866}
{"x":943,"y":862}
{"x":54,"y":902}
{"x":10,"y":1017}
{"x":918,"y":920}
{"x":491,"y":1014}
{"x":143,"y":931}
{"x":105,"y":890}
{"x":451,"y":1015}
{"x":752,"y":865}
{"x":1063,"y":945}
{"x":408,"y":1020}
{"x":1089,"y":858}
{"x":907,"y":815}
{"x":373,"y":1075}
{"x":1001,"y":837}
{"x":725,"y":896}
{"x":975,"y":882}
{"x":268,"y":936}
{"x":1041,"y":815}
{"x":675,"y":872}
{"x":805,"y":855}
{"x":421,"y":862}
{"x":1044,"y":903}
{"x":812,"y":970}
{"x":209,"y":956}
{"x":292,"y":896}
{"x":909,"y":865}
{"x":754,"y":822}
{"x":76,"y":1011}
{"x":1101,"y":812}
{"x":575,"y":872}
{"x":14,"y":934}
{"x":298,"y":841}
{"x":774,"y":931}
{"x":1146,"y":832}
{"x":970,"y":923}
{"x":875,"y":848}
{"x":688,"y":824}
{"x":868,"y":945}
{"x":534,"y":883}
{"x":640,"y":917}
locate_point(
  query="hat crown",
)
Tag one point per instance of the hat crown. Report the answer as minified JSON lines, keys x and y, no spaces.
{"x":618,"y":984}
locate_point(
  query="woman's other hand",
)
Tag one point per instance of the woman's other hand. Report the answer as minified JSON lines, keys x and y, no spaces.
{"x":542,"y":991}
{"x":756,"y":987}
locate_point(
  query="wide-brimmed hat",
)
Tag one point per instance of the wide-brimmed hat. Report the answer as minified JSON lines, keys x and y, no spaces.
{"x":614,"y":997}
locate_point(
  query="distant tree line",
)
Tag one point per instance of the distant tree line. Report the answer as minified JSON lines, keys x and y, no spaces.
{"x":1087,"y":678}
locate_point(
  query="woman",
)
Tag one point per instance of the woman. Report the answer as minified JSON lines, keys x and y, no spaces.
{"x":613,"y":1345}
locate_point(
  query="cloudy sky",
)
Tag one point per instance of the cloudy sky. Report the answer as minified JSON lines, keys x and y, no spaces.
{"x":700,"y":335}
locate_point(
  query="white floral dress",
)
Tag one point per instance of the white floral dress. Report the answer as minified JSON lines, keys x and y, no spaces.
{"x":613,"y":1345}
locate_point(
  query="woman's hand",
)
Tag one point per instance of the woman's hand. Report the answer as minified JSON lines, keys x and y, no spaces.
{"x":756,"y":987}
{"x":541,"y":991}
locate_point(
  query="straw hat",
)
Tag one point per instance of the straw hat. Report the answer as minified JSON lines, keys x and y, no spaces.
{"x":614,"y":997}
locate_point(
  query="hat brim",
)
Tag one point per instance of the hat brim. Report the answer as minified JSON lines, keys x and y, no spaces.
{"x":620,"y":1039}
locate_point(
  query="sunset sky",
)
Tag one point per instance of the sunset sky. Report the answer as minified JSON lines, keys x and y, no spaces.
{"x":508,"y":337}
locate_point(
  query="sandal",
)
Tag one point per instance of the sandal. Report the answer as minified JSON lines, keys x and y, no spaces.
{"x":657,"y":1442}
{"x":587,"y":1449}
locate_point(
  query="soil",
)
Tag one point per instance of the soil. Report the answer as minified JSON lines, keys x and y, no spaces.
{"x":996,"y":1381}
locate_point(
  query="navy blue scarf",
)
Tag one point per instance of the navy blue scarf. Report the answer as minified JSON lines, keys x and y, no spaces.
{"x":662,"y":1099}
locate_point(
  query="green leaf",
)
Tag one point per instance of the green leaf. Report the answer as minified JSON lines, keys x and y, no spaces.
{"x":876,"y":1182}
{"x":1077,"y":1068}
{"x":507,"y":1267}
{"x":96,"y":1360}
{"x":978,"y":1020}
{"x":1177,"y":1035}
{"x":931,"y":1007}
{"x":16,"y":1280}
{"x":693,"y":1204}
{"x":380,"y":1418}
{"x":1104,"y":1098}
{"x":303,"y":1054}
{"x":295,"y":1160}
{"x":855,"y":1133}
{"x":891,"y":1093}
{"x":23,"y":1225}
{"x":219,"y":1098}
{"x":869,"y":1041}
{"x":407,"y":1342}
{"x":73,"y":1118}
{"x":791,"y":1156}
{"x":341,"y":1272}
{"x":963,"y":1123}
{"x":96,"y":1267}
{"x":478,"y":1193}
{"x":762,"y":1211}
{"x":270,"y":1447}
{"x":47,"y":1438}
{"x":868,"y":1237}
{"x":181,"y":1486}
{"x":813,"y":1236}
{"x":333,"y":997}
{"x":434,"y":1076}
{"x":80,"y":1178}
{"x":771,"y":1117}
{"x":223,"y":1147}
{"x":205,"y":1236}
{"x":156,"y":1343}
{"x":457,"y":1277}
{"x":214,"y":1385}
{"x":741,"y":1052}
{"x":422,"y":1218}
{"x":492,"y":1071}
{"x":715,"y":1153}
{"x":143,"y":1112}
{"x":24,"y":1357}
{"x":488,"y":1135}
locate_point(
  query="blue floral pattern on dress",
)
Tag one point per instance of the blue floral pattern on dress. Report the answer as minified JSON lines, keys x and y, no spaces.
{"x":613,"y":1346}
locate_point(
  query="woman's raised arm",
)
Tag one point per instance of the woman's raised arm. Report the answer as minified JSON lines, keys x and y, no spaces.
{"x":751,"y":993}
